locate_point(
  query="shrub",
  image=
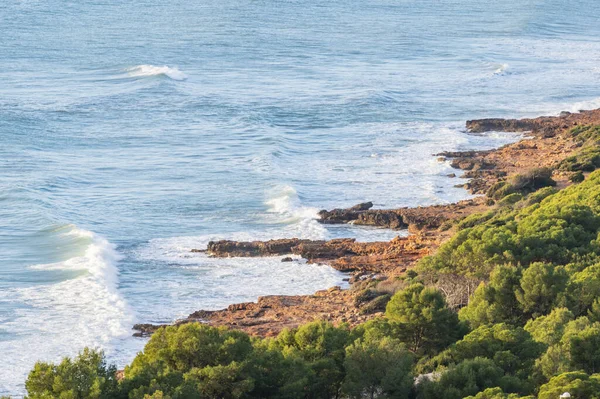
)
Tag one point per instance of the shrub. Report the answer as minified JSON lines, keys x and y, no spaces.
{"x":377,"y":368}
{"x":578,"y":384}
{"x":85,"y":377}
{"x":467,"y":378}
{"x":558,"y":230}
{"x":577,"y":177}
{"x":422,"y":319}
{"x":510,"y":199}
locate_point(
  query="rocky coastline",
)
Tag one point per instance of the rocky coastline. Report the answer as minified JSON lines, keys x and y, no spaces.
{"x":374,"y":268}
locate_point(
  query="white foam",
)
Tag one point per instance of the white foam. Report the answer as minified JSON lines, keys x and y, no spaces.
{"x":501,"y":69}
{"x":192,"y":281}
{"x":152,"y":70}
{"x":56,"y":320}
{"x":285,"y":207}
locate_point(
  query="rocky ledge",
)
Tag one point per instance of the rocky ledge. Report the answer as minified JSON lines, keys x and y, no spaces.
{"x":378,"y":264}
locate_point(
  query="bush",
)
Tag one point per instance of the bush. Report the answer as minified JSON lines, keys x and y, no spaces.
{"x":378,"y":368}
{"x":557,"y":230}
{"x":86,"y":376}
{"x":510,"y":199}
{"x":533,"y":180}
{"x":577,"y":177}
{"x":578,"y":384}
{"x":467,"y":378}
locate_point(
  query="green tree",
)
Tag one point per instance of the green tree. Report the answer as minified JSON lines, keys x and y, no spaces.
{"x":177,"y":353}
{"x":87,"y":376}
{"x":510,"y":348}
{"x":378,"y":369}
{"x":578,"y":384}
{"x":541,"y":288}
{"x":495,"y":302}
{"x":422,"y":319}
{"x":584,"y":289}
{"x":497,"y":393}
{"x":549,"y":329}
{"x":223,"y":382}
{"x":467,"y":378}
{"x":578,"y":349}
{"x":322,"y":346}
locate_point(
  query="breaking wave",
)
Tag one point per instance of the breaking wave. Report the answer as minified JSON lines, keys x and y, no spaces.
{"x":152,"y":70}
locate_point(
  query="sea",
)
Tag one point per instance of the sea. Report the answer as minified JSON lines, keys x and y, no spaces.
{"x":133,"y":131}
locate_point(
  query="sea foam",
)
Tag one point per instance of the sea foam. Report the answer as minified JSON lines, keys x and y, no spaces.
{"x":60,"y":319}
{"x":152,"y":70}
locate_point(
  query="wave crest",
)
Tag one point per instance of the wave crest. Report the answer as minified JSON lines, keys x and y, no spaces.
{"x":152,"y":70}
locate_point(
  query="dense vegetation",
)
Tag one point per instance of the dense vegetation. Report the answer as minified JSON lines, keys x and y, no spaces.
{"x":530,"y":329}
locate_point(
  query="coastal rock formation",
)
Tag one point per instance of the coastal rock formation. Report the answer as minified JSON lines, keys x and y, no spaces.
{"x":414,"y":219}
{"x":547,"y":146}
{"x":342,"y":254}
{"x":365,"y":217}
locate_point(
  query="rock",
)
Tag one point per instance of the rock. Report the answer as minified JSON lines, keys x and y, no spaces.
{"x":145,"y":329}
{"x":240,"y":306}
{"x":503,"y":125}
{"x":451,"y":175}
{"x":287,"y":259}
{"x":366,"y":217}
{"x":226,"y":248}
{"x":365,"y":206}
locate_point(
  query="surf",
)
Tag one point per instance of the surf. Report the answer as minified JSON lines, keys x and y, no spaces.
{"x":152,"y":70}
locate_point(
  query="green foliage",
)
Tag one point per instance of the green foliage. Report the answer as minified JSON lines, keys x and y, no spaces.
{"x":496,"y":393}
{"x":577,"y":177}
{"x":474,"y":220}
{"x":495,"y":302}
{"x":578,"y":349}
{"x":85,"y":377}
{"x":510,"y":199}
{"x":584,"y":289}
{"x":378,"y":368}
{"x":559,"y":230}
{"x":521,"y":184}
{"x":422,"y":319}
{"x":550,"y":329}
{"x":532,"y":180}
{"x":537,"y":196}
{"x":542,"y":288}
{"x":587,"y":158}
{"x":578,"y":384}
{"x":467,"y":378}
{"x":510,"y":348}
{"x":322,"y":347}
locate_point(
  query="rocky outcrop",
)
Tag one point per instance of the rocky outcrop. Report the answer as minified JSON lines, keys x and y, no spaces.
{"x":342,"y":254}
{"x":368,"y":262}
{"x":544,"y":126}
{"x":414,"y":219}
{"x":226,"y":248}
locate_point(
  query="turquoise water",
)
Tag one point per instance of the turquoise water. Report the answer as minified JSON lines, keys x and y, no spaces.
{"x":131,"y":132}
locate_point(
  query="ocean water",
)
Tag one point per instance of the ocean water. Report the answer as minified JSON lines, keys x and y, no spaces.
{"x":134,"y":131}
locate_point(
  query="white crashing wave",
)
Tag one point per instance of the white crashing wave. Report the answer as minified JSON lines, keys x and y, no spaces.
{"x":152,"y":70}
{"x":284,"y":207}
{"x":54,"y":320}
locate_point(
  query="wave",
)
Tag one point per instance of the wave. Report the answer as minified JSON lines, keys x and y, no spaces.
{"x":285,"y":207}
{"x":152,"y":70}
{"x":82,"y":309}
{"x":501,"y":69}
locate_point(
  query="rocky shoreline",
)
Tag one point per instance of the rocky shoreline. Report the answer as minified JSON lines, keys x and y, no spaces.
{"x":374,"y":267}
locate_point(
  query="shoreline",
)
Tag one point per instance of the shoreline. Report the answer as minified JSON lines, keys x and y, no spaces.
{"x":382,"y":264}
